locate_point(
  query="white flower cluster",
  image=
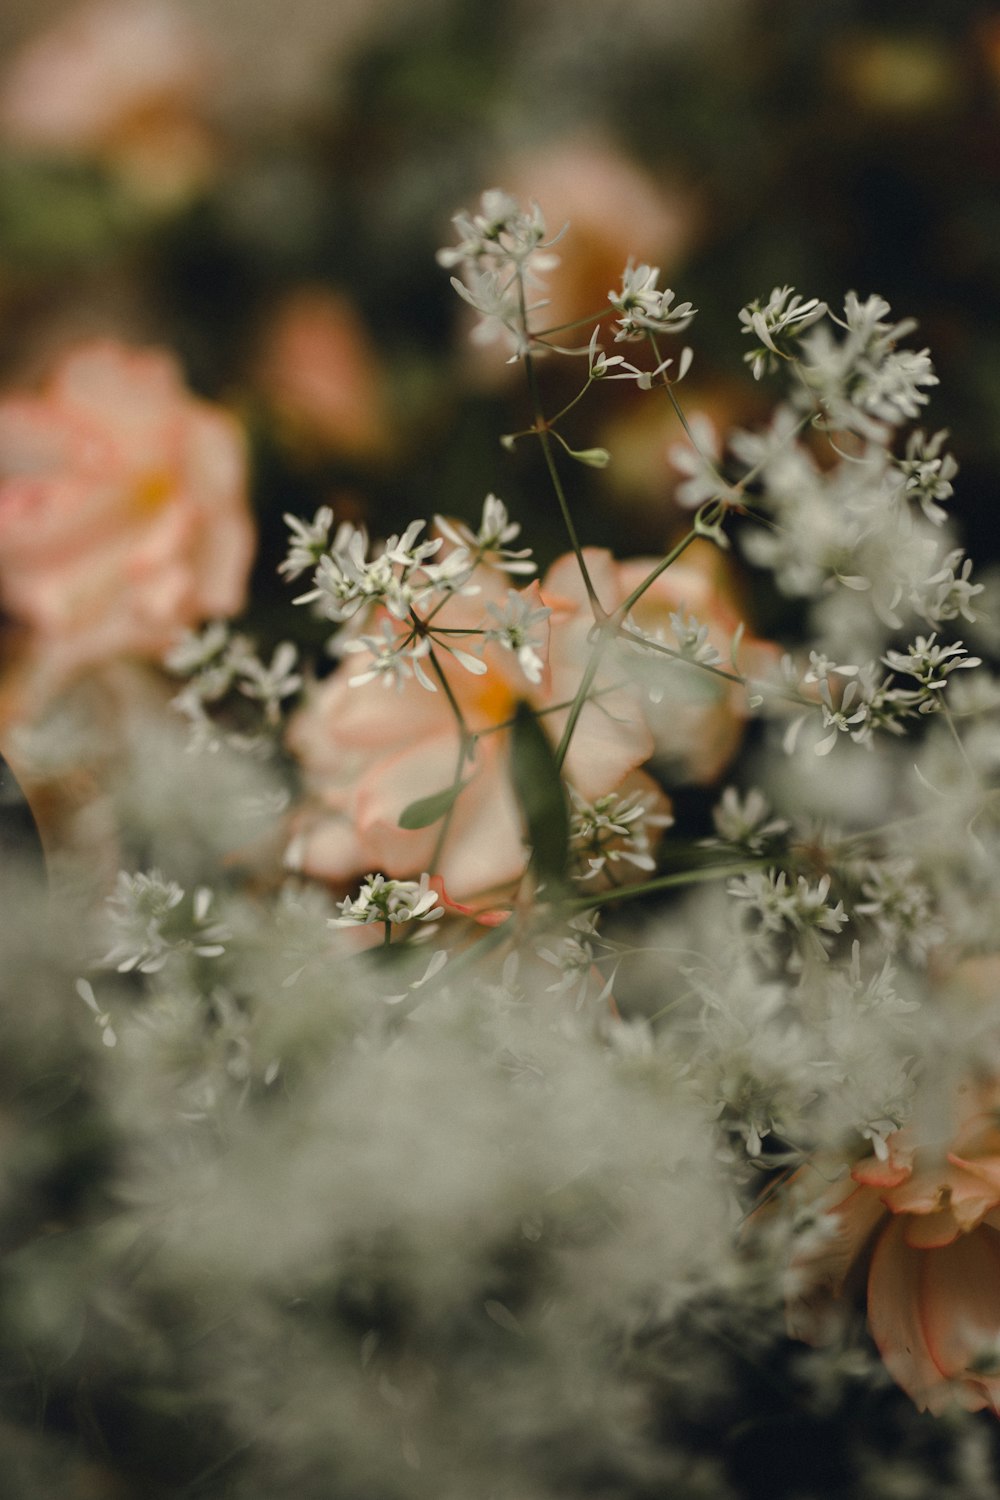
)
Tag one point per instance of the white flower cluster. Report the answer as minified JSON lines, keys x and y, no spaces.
{"x":643,"y":308}
{"x":502,"y":252}
{"x":776,"y":322}
{"x":151,"y":921}
{"x":219,"y":663}
{"x":613,"y":829}
{"x":863,"y":381}
{"x":391,"y":902}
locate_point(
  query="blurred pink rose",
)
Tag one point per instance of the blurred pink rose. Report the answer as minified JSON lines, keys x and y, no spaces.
{"x":614,"y":210}
{"x":317,"y":370}
{"x":693,"y":720}
{"x":925,"y":1222}
{"x":123,"y":510}
{"x":367,"y":753}
{"x":120,"y":81}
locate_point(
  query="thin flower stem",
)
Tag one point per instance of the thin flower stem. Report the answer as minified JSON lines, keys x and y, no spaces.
{"x":582,"y":694}
{"x":661,"y":567}
{"x":550,"y":463}
{"x":576,"y":323}
{"x":676,"y":881}
{"x":553,"y":708}
{"x":466,"y":743}
{"x":953,"y":728}
{"x":703,"y":666}
{"x":570,"y":404}
{"x":668,"y":386}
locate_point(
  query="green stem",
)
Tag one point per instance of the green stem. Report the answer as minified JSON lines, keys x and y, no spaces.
{"x":661,"y":567}
{"x":576,"y":323}
{"x":550,"y":463}
{"x":582,"y":693}
{"x":677,"y":881}
{"x":703,"y":666}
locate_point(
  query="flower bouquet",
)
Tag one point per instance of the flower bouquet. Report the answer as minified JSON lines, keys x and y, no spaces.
{"x":511,"y":1029}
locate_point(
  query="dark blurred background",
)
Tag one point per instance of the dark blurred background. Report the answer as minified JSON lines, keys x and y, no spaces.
{"x":271,"y":208}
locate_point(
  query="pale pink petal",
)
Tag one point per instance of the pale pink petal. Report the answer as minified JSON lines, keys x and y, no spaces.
{"x":960,"y":1307}
{"x":931,"y":1231}
{"x":895,"y":1315}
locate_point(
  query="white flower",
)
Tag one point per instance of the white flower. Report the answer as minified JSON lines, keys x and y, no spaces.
{"x":309,"y":540}
{"x":270,"y":685}
{"x":347,"y":580}
{"x":489,"y":543}
{"x":927,"y":473}
{"x":781,"y":314}
{"x":394,"y":657}
{"x":930,"y":663}
{"x":946,"y":594}
{"x":389,"y":901}
{"x":611,"y":829}
{"x":502,"y":234}
{"x":148,"y":926}
{"x":645,"y":309}
{"x":746,"y":822}
{"x":516,"y":630}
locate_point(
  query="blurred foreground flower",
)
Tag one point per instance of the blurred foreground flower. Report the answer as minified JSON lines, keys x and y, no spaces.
{"x":123,"y":511}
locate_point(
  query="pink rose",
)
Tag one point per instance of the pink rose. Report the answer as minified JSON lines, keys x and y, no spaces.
{"x":123,"y":510}
{"x":119,"y":81}
{"x":924,"y":1224}
{"x":367,"y":753}
{"x":693,"y":719}
{"x":317,"y":369}
{"x":614,"y":210}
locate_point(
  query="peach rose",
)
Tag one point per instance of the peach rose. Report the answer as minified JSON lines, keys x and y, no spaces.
{"x":614,"y":210}
{"x":694,"y":719}
{"x":925,"y":1222}
{"x":367,"y":753}
{"x":118,"y":81}
{"x":123,"y":510}
{"x":317,"y":369}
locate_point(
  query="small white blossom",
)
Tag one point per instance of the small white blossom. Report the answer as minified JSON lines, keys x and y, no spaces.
{"x":271,"y":685}
{"x":394,"y":657}
{"x":783,"y":910}
{"x":746,"y":821}
{"x":643,"y":308}
{"x":489,"y":543}
{"x":389,"y":901}
{"x":309,"y":540}
{"x":612,"y":829}
{"x":947,"y":593}
{"x":927,"y":473}
{"x":148,"y":926}
{"x":774,"y":322}
{"x":501,"y":234}
{"x":863,"y":381}
{"x":347,"y":580}
{"x":929,"y":662}
{"x":900,"y":905}
{"x":517,"y":629}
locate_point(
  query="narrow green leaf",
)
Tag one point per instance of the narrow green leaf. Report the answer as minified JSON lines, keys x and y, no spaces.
{"x":541,"y":795}
{"x":427,"y":810}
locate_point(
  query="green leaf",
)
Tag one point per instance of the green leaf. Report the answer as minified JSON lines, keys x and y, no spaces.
{"x":427,"y":810}
{"x":541,"y":794}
